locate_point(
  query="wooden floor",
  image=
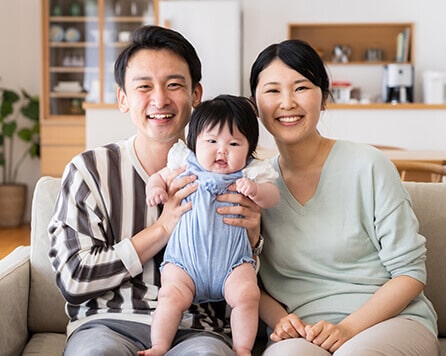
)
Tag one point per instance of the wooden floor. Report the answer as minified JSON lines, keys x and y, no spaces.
{"x":11,"y":238}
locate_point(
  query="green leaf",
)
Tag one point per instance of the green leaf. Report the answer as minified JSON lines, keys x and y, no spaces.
{"x":25,"y":134}
{"x":9,"y":97}
{"x":31,"y":110}
{"x":36,"y":128}
{"x":5,"y":110}
{"x":34,"y":150}
{"x":9,"y":128}
{"x":28,"y":107}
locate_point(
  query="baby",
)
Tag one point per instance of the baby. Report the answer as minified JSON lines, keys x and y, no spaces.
{"x":205,"y":259}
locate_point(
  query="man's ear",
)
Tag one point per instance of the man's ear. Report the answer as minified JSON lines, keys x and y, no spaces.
{"x":197,"y":95}
{"x":122,"y":100}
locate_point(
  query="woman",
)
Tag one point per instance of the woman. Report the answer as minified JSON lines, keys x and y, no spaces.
{"x":343,"y":267}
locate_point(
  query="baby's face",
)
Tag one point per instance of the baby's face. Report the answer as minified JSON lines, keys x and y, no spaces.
{"x":220,"y":151}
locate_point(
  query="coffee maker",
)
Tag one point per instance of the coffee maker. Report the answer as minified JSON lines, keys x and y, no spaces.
{"x":398,"y":83}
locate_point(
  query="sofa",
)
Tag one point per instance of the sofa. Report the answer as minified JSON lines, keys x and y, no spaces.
{"x":32,"y":313}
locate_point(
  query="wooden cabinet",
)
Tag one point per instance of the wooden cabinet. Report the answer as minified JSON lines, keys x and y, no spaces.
{"x":381,"y":39}
{"x":80,"y":42}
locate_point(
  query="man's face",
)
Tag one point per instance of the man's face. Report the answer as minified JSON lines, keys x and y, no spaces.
{"x":158,"y":94}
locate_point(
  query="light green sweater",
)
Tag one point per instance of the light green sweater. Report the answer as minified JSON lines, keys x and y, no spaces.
{"x":325,"y":259}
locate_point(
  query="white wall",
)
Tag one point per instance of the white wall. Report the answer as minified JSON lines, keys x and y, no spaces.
{"x":265,"y":22}
{"x":409,"y":129}
{"x":20,"y":59}
{"x":119,"y":126}
{"x":222,"y":19}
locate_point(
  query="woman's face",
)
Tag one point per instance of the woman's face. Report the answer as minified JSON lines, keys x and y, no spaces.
{"x":289,"y":104}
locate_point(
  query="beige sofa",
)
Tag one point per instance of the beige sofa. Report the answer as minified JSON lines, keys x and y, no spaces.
{"x":32,"y":310}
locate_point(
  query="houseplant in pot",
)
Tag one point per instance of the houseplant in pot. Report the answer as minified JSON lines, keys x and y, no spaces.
{"x":13,"y":193}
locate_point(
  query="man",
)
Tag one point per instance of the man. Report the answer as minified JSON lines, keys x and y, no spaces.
{"x":105,"y":242}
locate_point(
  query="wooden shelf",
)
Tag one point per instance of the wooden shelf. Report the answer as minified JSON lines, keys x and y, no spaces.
{"x":73,"y":69}
{"x":137,"y":19}
{"x":358,"y":36}
{"x":386,"y":106}
{"x":100,"y":106}
{"x":79,"y":19}
{"x":361,"y":63}
{"x":74,"y":45}
{"x":62,"y":115}
{"x":60,"y":95}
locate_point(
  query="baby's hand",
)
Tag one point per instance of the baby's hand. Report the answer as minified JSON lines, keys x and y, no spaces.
{"x":246,"y":187}
{"x":156,"y":196}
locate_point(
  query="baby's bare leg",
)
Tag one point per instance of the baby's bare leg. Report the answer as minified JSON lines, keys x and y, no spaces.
{"x":242,"y":294}
{"x":174,"y":297}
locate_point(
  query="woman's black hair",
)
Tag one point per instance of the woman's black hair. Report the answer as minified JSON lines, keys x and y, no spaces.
{"x":156,"y":37}
{"x":225,"y":109}
{"x":296,"y":54}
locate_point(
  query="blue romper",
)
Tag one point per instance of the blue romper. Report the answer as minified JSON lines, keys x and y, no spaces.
{"x":202,"y":244}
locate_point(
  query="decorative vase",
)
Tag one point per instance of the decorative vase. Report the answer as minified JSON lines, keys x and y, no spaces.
{"x":56,"y":10}
{"x":12,"y":204}
{"x":75,"y":9}
{"x":91,"y":8}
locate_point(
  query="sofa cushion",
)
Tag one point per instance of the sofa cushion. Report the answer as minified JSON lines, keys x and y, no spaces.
{"x":46,"y":310}
{"x":48,"y":344}
{"x":429,"y":204}
{"x":14,"y":278}
{"x":46,"y":306}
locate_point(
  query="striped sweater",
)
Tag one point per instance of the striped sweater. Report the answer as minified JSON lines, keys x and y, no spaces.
{"x":101,"y":205}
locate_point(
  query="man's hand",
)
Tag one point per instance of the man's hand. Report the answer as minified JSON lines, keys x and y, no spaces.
{"x":177,"y":190}
{"x":246,"y":208}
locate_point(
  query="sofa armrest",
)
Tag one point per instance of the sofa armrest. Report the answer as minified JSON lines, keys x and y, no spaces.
{"x":14,"y":292}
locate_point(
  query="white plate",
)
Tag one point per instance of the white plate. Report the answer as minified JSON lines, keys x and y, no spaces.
{"x":72,"y":34}
{"x":56,"y":33}
{"x":67,"y":90}
{"x":69,"y":86}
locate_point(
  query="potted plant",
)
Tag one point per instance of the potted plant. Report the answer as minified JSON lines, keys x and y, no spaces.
{"x":12,"y":193}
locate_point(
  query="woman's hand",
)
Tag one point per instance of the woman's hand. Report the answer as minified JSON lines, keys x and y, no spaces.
{"x":324,"y":334}
{"x":245,"y":207}
{"x":290,"y":326}
{"x":328,"y":336}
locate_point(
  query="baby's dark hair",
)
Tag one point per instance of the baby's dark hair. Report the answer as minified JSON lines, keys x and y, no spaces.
{"x":225,"y":109}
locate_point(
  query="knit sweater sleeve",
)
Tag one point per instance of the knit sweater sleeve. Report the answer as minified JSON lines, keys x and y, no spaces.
{"x":401,"y":248}
{"x":87,"y":252}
